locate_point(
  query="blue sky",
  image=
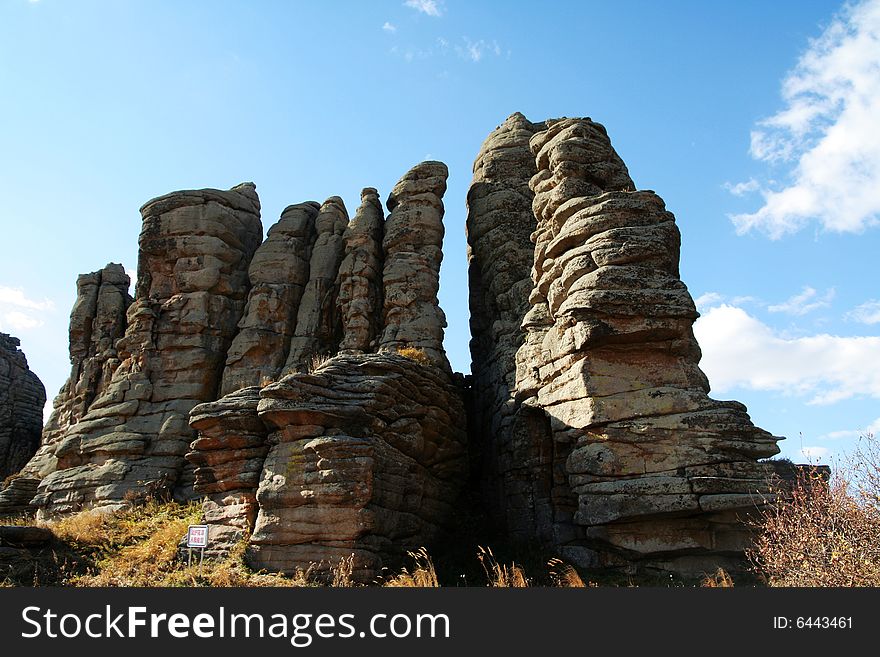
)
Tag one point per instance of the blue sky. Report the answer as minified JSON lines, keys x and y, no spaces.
{"x":755,"y":121}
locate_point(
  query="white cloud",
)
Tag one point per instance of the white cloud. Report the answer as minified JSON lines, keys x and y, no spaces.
{"x":827,"y":133}
{"x":429,"y":7}
{"x":740,"y":350}
{"x":866,"y":313}
{"x":815,"y":454}
{"x":14,"y":296}
{"x":803,"y":303}
{"x":388,"y":27}
{"x":16,"y":320}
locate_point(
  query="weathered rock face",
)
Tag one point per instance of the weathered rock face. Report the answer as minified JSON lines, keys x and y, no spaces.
{"x":22,"y":397}
{"x":367,"y":457}
{"x":412,"y":244}
{"x":615,"y":453}
{"x":97,"y":321}
{"x":195,"y":248}
{"x":360,"y":276}
{"x":278,"y":274}
{"x":317,"y":330}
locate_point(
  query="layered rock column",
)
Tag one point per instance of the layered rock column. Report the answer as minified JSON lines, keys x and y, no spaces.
{"x":195,"y":248}
{"x":278,"y":274}
{"x":661,"y":472}
{"x":317,"y":321}
{"x":22,"y":397}
{"x":412,"y":245}
{"x":360,"y":276}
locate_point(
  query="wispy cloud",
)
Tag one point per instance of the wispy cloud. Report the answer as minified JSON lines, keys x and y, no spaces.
{"x":866,"y":313}
{"x":708,"y":299}
{"x":429,"y":7}
{"x":476,"y":50}
{"x":803,"y":303}
{"x":743,"y":188}
{"x":826,"y":135}
{"x":740,"y":350}
{"x":388,"y":27}
{"x":18,"y":312}
{"x":14,"y":296}
{"x":872,"y":428}
{"x":815,"y":454}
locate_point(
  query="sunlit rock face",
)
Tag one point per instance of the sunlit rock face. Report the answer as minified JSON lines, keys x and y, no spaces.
{"x":606,"y":444}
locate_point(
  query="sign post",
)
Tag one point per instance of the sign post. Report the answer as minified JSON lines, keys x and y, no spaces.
{"x":197,"y":537}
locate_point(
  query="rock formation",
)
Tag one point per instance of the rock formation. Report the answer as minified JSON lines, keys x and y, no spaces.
{"x":352,"y":451}
{"x":22,"y":397}
{"x":195,"y":248}
{"x":300,"y":388}
{"x":614,"y":453}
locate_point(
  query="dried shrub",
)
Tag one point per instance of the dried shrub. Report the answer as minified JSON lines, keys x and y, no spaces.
{"x":414,"y":354}
{"x":825,"y":533}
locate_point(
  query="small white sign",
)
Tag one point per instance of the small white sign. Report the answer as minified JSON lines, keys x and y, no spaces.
{"x":197,"y":536}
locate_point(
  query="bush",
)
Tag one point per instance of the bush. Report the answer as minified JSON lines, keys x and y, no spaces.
{"x":825,"y":533}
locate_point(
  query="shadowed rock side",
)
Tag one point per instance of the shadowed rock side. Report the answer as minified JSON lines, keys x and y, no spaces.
{"x":278,"y":275}
{"x":367,"y":457}
{"x":500,"y":254}
{"x":615,"y":454}
{"x":195,"y":248}
{"x":22,"y":397}
{"x":413,"y":243}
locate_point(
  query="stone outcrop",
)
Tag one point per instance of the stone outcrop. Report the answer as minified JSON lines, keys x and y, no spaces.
{"x":195,"y":248}
{"x":22,"y":397}
{"x":367,"y":457}
{"x":613,"y":453}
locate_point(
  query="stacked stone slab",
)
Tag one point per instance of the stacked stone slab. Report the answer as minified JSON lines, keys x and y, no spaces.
{"x":367,"y":456}
{"x":615,"y":454}
{"x":195,"y":248}
{"x":366,"y":450}
{"x":22,"y":397}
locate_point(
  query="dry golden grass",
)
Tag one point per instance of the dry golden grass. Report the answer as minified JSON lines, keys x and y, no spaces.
{"x":826,"y":534}
{"x":564,"y":575}
{"x":501,"y":575}
{"x":318,"y":361}
{"x":341,"y":573}
{"x":414,"y":354}
{"x":423,"y":574}
{"x":720,"y":580}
